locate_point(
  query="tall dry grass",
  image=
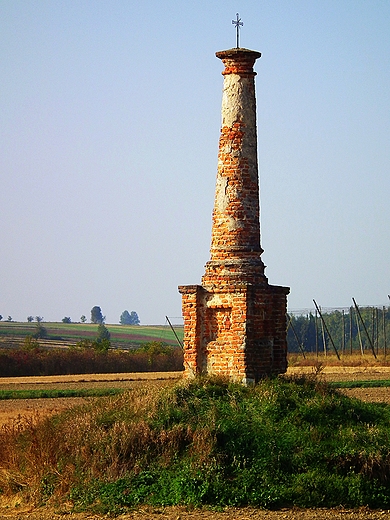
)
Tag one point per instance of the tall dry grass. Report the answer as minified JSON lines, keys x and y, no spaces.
{"x":105,"y":439}
{"x":346,"y":359}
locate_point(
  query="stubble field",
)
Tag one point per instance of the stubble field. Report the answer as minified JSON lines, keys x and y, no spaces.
{"x":13,"y":408}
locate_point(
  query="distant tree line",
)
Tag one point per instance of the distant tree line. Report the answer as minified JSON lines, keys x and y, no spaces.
{"x":352,"y":330}
{"x":8,"y":319}
{"x":126,"y":318}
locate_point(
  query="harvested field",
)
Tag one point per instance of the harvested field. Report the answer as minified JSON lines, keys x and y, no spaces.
{"x":17,"y":408}
{"x":344,"y":373}
{"x":359,"y":373}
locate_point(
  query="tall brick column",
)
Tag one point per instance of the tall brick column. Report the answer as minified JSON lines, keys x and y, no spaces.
{"x":235,"y":322}
{"x":235,"y":242}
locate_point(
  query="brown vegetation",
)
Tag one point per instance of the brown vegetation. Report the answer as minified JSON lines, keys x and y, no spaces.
{"x":38,"y":361}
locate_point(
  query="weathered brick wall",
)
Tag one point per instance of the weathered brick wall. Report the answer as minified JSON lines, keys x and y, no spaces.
{"x":235,"y":240}
{"x":235,"y":322}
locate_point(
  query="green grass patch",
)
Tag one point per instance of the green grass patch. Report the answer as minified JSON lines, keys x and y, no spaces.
{"x":284,"y":442}
{"x":376,"y":383}
{"x":53,"y":393}
{"x":121,"y":335}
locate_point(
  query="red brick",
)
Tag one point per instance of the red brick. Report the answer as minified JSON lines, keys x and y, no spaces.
{"x":234,"y":323}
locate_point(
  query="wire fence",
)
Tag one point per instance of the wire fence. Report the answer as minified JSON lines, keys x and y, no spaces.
{"x":340,"y":330}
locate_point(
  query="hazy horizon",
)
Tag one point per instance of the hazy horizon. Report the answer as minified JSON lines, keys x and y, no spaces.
{"x":109,"y":124}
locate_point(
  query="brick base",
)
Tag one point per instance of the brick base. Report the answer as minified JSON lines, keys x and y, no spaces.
{"x":239,"y":332}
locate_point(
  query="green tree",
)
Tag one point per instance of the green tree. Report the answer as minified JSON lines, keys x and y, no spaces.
{"x":129,"y":318}
{"x":40,"y":331}
{"x":102,"y":343}
{"x":30,"y":318}
{"x":83,"y":319}
{"x":134,"y":319}
{"x":66,"y":320}
{"x":103,"y":333}
{"x":125,"y":318}
{"x":96,"y":315}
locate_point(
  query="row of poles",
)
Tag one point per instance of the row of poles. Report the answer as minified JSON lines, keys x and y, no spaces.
{"x":360,"y":324}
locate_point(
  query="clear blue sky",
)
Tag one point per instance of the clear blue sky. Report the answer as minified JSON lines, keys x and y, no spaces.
{"x":109,"y":126}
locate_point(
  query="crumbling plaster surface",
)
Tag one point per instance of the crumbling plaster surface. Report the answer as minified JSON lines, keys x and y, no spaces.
{"x":234,"y":323}
{"x":239,"y":106}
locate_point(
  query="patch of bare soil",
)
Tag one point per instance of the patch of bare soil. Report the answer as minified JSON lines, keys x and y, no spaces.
{"x":18,"y":409}
{"x":369,"y":395}
{"x":181,"y":513}
{"x":360,"y":373}
{"x":35,"y":382}
{"x":22,"y":409}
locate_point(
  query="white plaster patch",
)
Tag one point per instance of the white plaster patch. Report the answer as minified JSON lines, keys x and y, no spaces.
{"x":233,"y":224}
{"x":221,"y":194}
{"x":218,"y":300}
{"x":237,"y":101}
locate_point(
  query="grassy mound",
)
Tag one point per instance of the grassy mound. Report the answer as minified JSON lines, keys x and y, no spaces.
{"x":281,"y":443}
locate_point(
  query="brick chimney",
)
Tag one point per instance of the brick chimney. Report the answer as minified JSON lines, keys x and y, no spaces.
{"x":235,"y":322}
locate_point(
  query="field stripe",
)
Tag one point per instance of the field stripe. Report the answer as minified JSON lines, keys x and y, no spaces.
{"x":53,"y":394}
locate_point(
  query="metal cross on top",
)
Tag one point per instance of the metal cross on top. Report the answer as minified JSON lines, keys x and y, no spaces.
{"x":238,"y":23}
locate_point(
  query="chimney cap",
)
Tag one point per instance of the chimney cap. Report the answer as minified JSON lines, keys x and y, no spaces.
{"x":238,"y":53}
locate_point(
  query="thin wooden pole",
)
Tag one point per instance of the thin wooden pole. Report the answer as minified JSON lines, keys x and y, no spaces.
{"x":316,"y":329}
{"x":343,"y":338}
{"x":324,"y":339}
{"x":173,"y":330}
{"x":377,"y":329}
{"x":327,"y":330}
{"x":384,"y":329}
{"x":359,"y":335}
{"x":300,"y":345}
{"x":350,"y":330}
{"x":364,"y":327}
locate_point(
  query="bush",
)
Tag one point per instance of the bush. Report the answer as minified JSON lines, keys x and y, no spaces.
{"x":207,"y":441}
{"x":30,"y":343}
{"x":155,"y":350}
{"x":40,"y":331}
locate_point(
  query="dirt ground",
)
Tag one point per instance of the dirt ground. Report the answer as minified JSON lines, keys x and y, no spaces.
{"x":365,"y":373}
{"x":12,"y":409}
{"x":19,"y":408}
{"x":181,"y":513}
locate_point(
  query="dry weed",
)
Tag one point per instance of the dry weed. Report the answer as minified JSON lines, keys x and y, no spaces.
{"x":105,"y":438}
{"x":331,"y":360}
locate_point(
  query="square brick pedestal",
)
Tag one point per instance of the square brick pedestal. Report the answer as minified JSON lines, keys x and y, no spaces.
{"x":239,"y":333}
